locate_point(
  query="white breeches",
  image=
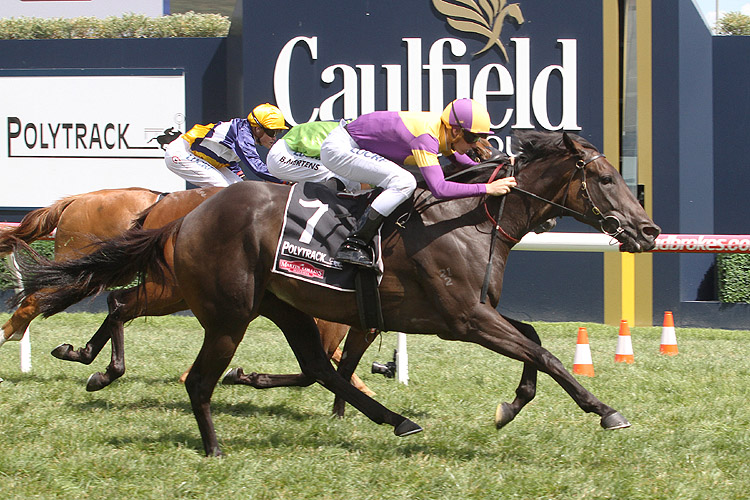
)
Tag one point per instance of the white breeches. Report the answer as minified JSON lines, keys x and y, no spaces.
{"x":341,"y":154}
{"x":289,"y":165}
{"x":183,"y":162}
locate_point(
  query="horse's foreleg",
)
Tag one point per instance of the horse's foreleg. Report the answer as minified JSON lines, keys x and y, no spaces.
{"x":527,"y":387}
{"x":116,"y":367}
{"x":93,"y":347}
{"x":112,"y":328}
{"x":491,"y":330}
{"x":355,"y":346}
{"x":237,"y":376}
{"x":304,"y":339}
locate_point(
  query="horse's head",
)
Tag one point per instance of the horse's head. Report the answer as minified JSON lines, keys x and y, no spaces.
{"x":596,"y":190}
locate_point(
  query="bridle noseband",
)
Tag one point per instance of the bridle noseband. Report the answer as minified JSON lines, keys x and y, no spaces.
{"x":609,"y":224}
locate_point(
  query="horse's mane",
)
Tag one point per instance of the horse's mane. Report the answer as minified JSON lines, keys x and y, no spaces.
{"x":141,"y":217}
{"x":532,"y":145}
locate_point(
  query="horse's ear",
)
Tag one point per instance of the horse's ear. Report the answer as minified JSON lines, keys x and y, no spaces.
{"x":570,"y":144}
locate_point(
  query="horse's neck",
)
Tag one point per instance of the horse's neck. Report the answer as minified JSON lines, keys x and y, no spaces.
{"x":546,"y":178}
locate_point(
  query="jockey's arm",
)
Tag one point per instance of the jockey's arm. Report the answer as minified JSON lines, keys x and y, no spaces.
{"x":246,"y":150}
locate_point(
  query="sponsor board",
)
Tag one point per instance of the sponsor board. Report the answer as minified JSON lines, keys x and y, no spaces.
{"x":62,"y":134}
{"x":533,"y":64}
{"x":703,"y":243}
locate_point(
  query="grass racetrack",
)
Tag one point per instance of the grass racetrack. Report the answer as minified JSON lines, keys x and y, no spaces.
{"x":137,"y":439}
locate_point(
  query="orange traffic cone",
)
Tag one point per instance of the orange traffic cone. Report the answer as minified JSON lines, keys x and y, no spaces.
{"x":624,"y":352}
{"x":582,"y":364}
{"x":668,"y":338}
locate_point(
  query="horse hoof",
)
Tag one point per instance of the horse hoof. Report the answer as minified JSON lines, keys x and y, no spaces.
{"x":614,"y":421}
{"x":233,"y":376}
{"x":62,"y":351}
{"x":503,"y":415}
{"x":95,"y":382}
{"x":406,"y":428}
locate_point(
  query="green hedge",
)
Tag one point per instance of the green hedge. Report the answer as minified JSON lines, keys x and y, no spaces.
{"x":733,"y":271}
{"x":127,"y":26}
{"x":46,"y":248}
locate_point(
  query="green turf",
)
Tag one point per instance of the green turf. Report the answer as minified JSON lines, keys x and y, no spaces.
{"x":137,"y":439}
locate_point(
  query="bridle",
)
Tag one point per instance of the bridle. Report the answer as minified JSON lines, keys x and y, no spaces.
{"x":609,"y":224}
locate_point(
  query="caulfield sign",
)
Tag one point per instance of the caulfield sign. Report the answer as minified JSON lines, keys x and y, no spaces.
{"x":517,"y":95}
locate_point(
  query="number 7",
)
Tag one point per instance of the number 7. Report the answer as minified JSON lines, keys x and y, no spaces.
{"x":322,"y":208}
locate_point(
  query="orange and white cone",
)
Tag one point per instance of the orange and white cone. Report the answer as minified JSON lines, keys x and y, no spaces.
{"x":582,"y":364}
{"x":668,"y":338}
{"x":624,"y":351}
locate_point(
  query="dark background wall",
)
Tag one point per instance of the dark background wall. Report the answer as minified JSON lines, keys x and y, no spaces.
{"x":701,"y":118}
{"x":701,"y":142}
{"x":731,"y":134}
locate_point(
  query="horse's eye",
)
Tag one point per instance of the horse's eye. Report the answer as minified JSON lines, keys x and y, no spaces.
{"x":607,"y":179}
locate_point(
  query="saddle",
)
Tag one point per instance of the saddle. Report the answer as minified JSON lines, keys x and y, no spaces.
{"x":316,"y":222}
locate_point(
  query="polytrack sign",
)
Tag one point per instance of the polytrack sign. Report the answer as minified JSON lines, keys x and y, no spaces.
{"x":534,"y":64}
{"x":66,"y":132}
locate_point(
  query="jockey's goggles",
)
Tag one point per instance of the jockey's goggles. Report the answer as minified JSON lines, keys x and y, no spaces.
{"x":471,"y":137}
{"x":268,"y":131}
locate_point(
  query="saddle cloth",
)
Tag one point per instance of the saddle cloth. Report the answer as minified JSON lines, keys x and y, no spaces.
{"x":316,"y":222}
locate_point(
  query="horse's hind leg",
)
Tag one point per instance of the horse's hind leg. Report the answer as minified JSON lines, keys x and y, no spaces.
{"x":527,"y":387}
{"x":331,"y":335}
{"x":304,"y":339}
{"x":16,"y":326}
{"x":219,"y":346}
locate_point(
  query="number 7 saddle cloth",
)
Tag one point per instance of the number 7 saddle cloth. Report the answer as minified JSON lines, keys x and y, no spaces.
{"x":316,"y":222}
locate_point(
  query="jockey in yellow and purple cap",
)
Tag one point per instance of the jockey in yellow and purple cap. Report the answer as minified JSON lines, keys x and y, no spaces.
{"x":213,"y":154}
{"x":374,"y":148}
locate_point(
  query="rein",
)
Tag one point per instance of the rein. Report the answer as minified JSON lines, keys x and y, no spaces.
{"x":609,"y":224}
{"x":495,"y":229}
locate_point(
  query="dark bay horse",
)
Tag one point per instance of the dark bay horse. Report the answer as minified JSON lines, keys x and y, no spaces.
{"x":223,"y":253}
{"x":81,"y":221}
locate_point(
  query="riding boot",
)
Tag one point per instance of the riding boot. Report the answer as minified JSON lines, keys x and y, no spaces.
{"x":356,"y":247}
{"x":335,"y":185}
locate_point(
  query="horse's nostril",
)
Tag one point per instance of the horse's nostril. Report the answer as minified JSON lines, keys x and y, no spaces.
{"x":652,"y":231}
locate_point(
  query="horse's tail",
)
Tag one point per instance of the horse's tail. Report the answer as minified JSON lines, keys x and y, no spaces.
{"x":36,"y":224}
{"x":58,"y":285}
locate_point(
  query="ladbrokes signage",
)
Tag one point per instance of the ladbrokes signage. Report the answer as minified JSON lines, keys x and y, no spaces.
{"x":535,"y":64}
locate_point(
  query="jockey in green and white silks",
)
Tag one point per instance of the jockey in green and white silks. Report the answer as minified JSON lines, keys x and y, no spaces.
{"x":296,"y":156}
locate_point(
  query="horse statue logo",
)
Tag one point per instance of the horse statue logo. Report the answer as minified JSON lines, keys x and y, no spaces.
{"x":483,"y":17}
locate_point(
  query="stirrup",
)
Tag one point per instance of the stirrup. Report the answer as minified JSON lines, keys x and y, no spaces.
{"x":356,"y":252}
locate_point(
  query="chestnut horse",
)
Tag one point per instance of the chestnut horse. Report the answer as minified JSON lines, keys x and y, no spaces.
{"x":85,"y":219}
{"x":557,"y":175}
{"x":80,"y":220}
